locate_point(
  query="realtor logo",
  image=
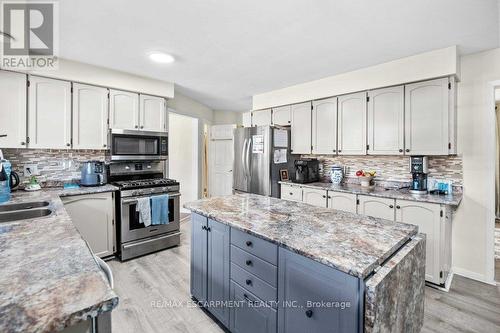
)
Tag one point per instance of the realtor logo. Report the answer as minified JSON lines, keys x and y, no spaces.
{"x":29,"y":31}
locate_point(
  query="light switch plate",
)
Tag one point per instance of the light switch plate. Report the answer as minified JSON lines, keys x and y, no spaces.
{"x":31,"y":170}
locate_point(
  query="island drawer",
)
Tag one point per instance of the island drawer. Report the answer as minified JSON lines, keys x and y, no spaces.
{"x":258,"y":267}
{"x":250,"y":282}
{"x":254,"y":245}
{"x":248,"y":318}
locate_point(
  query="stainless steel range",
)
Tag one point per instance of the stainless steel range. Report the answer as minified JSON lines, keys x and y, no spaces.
{"x":137,"y":180}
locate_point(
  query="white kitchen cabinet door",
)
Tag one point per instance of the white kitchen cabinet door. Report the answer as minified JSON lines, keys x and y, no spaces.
{"x":49,"y":113}
{"x":13,"y":99}
{"x":152,"y":113}
{"x":352,"y":124}
{"x":342,"y":201}
{"x":291,"y":192}
{"x":123,"y":110}
{"x":247,"y":119}
{"x":93,"y":216}
{"x":324,"y":126}
{"x":386,"y":121}
{"x":301,"y":128}
{"x":282,"y":115}
{"x":90,"y":117}
{"x":426,"y":118}
{"x":377,"y":207}
{"x":314,"y":197}
{"x":429,"y":221}
{"x":261,"y":118}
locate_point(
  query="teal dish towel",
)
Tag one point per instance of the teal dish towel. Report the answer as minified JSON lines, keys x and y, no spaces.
{"x":159,"y":209}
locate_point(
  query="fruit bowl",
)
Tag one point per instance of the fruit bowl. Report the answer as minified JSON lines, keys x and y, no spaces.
{"x":365,"y":181}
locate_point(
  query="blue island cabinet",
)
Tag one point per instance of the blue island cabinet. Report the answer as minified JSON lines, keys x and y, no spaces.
{"x":210,"y":265}
{"x":316,"y":298}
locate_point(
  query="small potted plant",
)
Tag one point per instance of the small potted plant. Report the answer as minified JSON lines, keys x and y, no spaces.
{"x":365,"y":177}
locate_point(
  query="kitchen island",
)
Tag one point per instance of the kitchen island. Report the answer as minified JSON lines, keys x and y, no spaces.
{"x":314,"y":269}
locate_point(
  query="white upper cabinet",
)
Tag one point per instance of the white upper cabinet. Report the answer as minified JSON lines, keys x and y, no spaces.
{"x":352,"y":124}
{"x":324,"y":126}
{"x":282,"y":115}
{"x":247,"y":119}
{"x":261,"y":118}
{"x":386,"y":121}
{"x":49,"y":113}
{"x":153,"y":114}
{"x":426,"y":118}
{"x":13,"y":110}
{"x":90,"y":117}
{"x":301,"y":128}
{"x":123,"y":110}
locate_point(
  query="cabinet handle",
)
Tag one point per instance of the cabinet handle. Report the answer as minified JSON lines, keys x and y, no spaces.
{"x":340,"y":150}
{"x":104,"y":145}
{"x":401,"y":150}
{"x":248,"y":243}
{"x":142,"y":126}
{"x":324,"y":196}
{"x":209,"y":229}
{"x":68,"y":144}
{"x":248,"y":262}
{"x":309,"y":313}
{"x":398,"y":207}
{"x":136,"y":126}
{"x":245,"y":296}
{"x":248,"y":282}
{"x":407,"y":150}
{"x":3,"y":135}
{"x":289,"y":121}
{"x":23,"y":143}
{"x":291,"y":193}
{"x":391,"y":206}
{"x":335,"y":150}
{"x":329,"y":197}
{"x":203,"y":228}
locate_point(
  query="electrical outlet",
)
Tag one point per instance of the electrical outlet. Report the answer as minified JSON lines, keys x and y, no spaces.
{"x":31,"y":170}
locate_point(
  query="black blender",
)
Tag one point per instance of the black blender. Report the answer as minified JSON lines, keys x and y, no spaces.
{"x":419,"y":169}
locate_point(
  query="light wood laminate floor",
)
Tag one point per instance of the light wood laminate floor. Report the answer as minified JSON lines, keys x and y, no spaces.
{"x":150,"y":287}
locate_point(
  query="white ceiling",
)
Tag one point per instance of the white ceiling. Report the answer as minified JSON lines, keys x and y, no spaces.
{"x":229,"y":50}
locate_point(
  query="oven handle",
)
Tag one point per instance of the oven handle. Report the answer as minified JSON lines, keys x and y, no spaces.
{"x":126,"y":246}
{"x":127,"y":201}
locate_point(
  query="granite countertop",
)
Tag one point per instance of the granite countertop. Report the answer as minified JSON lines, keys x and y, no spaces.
{"x":352,"y":243}
{"x":49,"y":278}
{"x":379,"y":191}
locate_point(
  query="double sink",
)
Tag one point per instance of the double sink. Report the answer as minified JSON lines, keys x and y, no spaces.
{"x":24,"y":211}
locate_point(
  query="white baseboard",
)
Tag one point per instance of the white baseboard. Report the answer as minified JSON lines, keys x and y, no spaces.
{"x":473,"y":275}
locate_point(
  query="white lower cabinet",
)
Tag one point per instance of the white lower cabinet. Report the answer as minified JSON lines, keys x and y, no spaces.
{"x":431,"y":221}
{"x":93,"y":216}
{"x":342,"y":201}
{"x":377,"y":207}
{"x":314,"y":197}
{"x":291,"y":192}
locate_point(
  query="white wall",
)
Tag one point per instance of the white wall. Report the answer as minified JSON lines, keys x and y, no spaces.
{"x":227,"y":117}
{"x":474,"y":220}
{"x":437,"y":63}
{"x":183,"y":154}
{"x":85,"y":73}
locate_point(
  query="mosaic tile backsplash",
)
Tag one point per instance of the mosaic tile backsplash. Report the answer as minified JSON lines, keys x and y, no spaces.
{"x":391,"y":169}
{"x":55,"y":166}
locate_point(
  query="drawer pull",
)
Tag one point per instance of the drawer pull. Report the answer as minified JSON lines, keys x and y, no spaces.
{"x":249,"y":262}
{"x":291,"y":193}
{"x":324,"y":196}
{"x":398,"y":207}
{"x":391,"y":206}
{"x":309,"y":313}
{"x":245,"y":296}
{"x":248,"y":243}
{"x":248,"y":282}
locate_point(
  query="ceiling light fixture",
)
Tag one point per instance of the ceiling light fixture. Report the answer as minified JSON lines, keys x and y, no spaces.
{"x":160,"y":57}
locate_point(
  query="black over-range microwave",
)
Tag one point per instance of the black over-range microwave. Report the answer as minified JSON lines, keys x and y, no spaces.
{"x":137,"y":145}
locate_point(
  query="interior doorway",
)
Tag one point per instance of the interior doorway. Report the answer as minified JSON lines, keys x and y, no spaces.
{"x":497,"y":187}
{"x":221,"y":155}
{"x":183,"y":157}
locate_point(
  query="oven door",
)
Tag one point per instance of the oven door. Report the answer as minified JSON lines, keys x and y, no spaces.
{"x":132,"y":229}
{"x":138,"y":145}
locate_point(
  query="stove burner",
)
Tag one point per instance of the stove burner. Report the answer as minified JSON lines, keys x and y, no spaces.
{"x":126,"y":184}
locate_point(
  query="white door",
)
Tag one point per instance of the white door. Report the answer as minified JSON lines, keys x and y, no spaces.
{"x":342,"y":201}
{"x":123,"y":110}
{"x":282,"y":115}
{"x":324,"y":126}
{"x":13,"y":110}
{"x":352,"y":124}
{"x":93,"y":216}
{"x":49,"y":113}
{"x":314,"y":197}
{"x":152,"y":113}
{"x":386,"y":121}
{"x":301,"y":128}
{"x":428,"y":219}
{"x":261,"y":118}
{"x":377,"y":207}
{"x":221,"y":157}
{"x":247,"y":119}
{"x":426,"y":118}
{"x":90,"y":117}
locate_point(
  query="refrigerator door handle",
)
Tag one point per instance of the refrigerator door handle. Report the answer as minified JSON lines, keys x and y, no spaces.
{"x":248,"y":157}
{"x":243,"y":158}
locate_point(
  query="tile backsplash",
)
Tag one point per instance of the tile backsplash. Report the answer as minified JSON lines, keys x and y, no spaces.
{"x":55,"y":166}
{"x":391,"y":168}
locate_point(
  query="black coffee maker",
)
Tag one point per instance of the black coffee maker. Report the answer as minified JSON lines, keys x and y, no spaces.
{"x":306,"y":170}
{"x":419,"y":169}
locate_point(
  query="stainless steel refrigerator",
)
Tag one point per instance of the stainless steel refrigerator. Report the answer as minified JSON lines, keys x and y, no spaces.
{"x":260,"y":154}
